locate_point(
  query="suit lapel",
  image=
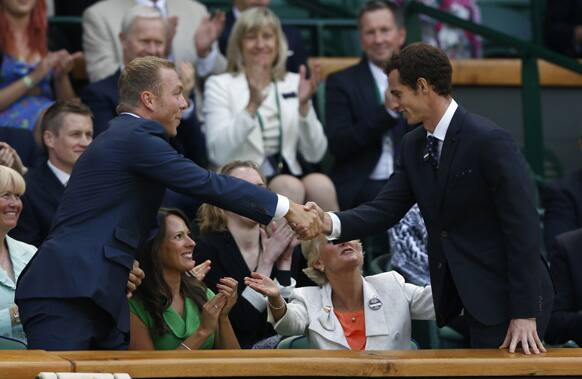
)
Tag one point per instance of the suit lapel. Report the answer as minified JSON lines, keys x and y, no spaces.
{"x":367,"y":86}
{"x":450,"y":144}
{"x":326,"y":323}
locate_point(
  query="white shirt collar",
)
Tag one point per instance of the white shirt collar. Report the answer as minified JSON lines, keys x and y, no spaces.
{"x":160,"y":4}
{"x":131,"y":114}
{"x":62,"y":176}
{"x":380,"y":77}
{"x":441,"y":129}
{"x":235,"y":12}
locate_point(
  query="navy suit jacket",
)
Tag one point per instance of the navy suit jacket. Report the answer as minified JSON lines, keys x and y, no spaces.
{"x":22,"y":141}
{"x":355,"y":123}
{"x":109,"y":207}
{"x":294,"y":41}
{"x":566,"y":321}
{"x":39,"y":204}
{"x":480,"y":214}
{"x":103,"y":96}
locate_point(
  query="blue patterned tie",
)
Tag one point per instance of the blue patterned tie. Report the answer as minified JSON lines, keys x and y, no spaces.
{"x":432,"y":151}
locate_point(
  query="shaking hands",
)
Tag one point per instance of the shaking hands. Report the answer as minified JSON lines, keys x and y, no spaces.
{"x":308,"y":220}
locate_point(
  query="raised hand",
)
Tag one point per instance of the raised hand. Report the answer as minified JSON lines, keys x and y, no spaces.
{"x":228,"y":287}
{"x":306,"y":223}
{"x":263,"y":285}
{"x":286,"y":259}
{"x":136,"y":276}
{"x":275,"y":244}
{"x":199,"y":271}
{"x":523,"y":330}
{"x":65,"y":62}
{"x":307,"y":87}
{"x":326,"y":225}
{"x":209,"y":30}
{"x":211,"y":312}
{"x":258,"y":78}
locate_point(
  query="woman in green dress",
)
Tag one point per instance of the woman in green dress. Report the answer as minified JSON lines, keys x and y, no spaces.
{"x":172,"y":309}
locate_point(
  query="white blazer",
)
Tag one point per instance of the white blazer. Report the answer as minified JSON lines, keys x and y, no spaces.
{"x":231,"y":133}
{"x":389,"y":306}
{"x":102,"y":24}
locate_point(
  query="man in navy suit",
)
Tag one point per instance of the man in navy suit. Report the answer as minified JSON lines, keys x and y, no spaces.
{"x":297,"y":55}
{"x":67,"y":130}
{"x":144,"y":33}
{"x":72,"y":296}
{"x":363,"y":135}
{"x":477,"y":200}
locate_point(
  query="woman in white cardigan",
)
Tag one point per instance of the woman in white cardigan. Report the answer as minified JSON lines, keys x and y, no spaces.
{"x":346,"y":311}
{"x":259,"y":112}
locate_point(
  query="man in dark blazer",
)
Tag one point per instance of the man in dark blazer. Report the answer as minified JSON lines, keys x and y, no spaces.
{"x":363,"y":135}
{"x":71,"y":296}
{"x":145,"y":35}
{"x":477,"y":200}
{"x":566,"y":321}
{"x":297,"y":55}
{"x":67,"y":130}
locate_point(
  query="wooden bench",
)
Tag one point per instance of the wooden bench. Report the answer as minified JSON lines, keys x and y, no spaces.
{"x":296,"y":363}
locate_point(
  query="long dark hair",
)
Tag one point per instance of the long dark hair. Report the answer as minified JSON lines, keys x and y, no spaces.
{"x":154,"y":292}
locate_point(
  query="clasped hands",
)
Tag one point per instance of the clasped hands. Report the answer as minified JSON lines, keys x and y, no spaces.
{"x":308,"y":221}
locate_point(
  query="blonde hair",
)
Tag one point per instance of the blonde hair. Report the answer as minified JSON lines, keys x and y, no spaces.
{"x":11,"y":181}
{"x":211,"y":218}
{"x":255,"y":19}
{"x":311,"y":250}
{"x":139,"y":75}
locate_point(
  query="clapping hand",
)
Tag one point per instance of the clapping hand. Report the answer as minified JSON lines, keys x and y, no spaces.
{"x":209,"y":30}
{"x":258,"y":78}
{"x":228,"y":287}
{"x":199,"y":271}
{"x":307,"y":87}
{"x":263,"y":285}
{"x":64,"y":62}
{"x":187,"y":75}
{"x":136,"y":276}
{"x":10,"y":158}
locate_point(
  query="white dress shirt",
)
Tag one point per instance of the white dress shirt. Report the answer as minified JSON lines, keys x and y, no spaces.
{"x":62,"y":176}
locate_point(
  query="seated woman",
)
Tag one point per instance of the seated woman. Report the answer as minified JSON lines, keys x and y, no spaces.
{"x":237,"y":246}
{"x":27,"y":69}
{"x":171,"y":309}
{"x":259,"y":112}
{"x":346,"y":311}
{"x":14,"y":255}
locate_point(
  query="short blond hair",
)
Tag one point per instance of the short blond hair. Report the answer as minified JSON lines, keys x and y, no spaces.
{"x":311,"y":250}
{"x":11,"y":181}
{"x":255,"y":19}
{"x":139,"y":75}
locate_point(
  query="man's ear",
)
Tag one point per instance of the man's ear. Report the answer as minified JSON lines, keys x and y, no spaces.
{"x":147,"y":98}
{"x":48,"y":139}
{"x":422,"y":86}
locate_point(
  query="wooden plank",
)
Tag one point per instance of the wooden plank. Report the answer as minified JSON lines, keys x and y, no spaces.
{"x":28,"y":363}
{"x":277,"y":363}
{"x":477,"y":72}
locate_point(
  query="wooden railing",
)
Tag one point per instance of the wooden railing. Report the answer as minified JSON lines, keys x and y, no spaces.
{"x":295,"y":363}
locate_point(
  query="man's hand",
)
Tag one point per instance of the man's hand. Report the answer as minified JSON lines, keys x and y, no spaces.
{"x":323,"y":216}
{"x":306,"y":223}
{"x":135,"y":277}
{"x":523,"y":330}
{"x":209,"y":30}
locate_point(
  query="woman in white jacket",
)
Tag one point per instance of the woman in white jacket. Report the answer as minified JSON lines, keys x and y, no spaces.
{"x":259,"y":112}
{"x":346,"y":311}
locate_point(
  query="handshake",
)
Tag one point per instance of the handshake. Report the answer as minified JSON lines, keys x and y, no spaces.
{"x":308,"y":221}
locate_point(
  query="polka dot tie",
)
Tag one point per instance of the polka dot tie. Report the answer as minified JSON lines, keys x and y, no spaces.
{"x":432,"y":151}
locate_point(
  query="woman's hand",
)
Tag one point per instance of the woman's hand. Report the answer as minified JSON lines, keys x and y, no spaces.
{"x":285,"y":259}
{"x":199,"y":271}
{"x":274,"y":245}
{"x":263,"y":285}
{"x":136,"y":276}
{"x":65,"y":62}
{"x":307,"y":87}
{"x":10,"y":158}
{"x":210,"y":314}
{"x":187,"y":75}
{"x":228,"y":287}
{"x":258,"y":78}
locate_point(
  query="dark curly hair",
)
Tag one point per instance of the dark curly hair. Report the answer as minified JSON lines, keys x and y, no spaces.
{"x":154,"y":292}
{"x":421,"y":60}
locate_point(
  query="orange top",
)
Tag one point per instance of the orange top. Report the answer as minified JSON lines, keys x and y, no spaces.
{"x":354,"y":326}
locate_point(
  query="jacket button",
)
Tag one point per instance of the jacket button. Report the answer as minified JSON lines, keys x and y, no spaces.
{"x":444,"y":234}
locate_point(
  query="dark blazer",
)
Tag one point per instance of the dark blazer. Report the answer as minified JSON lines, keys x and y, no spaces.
{"x":109,"y":207}
{"x":39,"y":204}
{"x":355,"y":122}
{"x":566,"y":321}
{"x":102,"y":97}
{"x":250,"y":325}
{"x":481,"y":220}
{"x":22,"y":141}
{"x":562,"y":201}
{"x":294,"y":41}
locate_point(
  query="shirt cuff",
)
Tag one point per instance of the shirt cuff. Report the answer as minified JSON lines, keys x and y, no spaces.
{"x":282,"y":207}
{"x":205,"y":65}
{"x":336,"y":227}
{"x":256,"y":299}
{"x":186,"y":113}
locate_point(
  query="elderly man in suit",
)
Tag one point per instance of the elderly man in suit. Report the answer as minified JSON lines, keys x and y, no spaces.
{"x":363,"y":135}
{"x":192,"y":35}
{"x":473,"y":189}
{"x":143,"y":33}
{"x":67,"y":130}
{"x":72,"y":294}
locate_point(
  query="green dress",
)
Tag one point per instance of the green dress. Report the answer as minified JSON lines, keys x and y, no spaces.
{"x":179,"y":328}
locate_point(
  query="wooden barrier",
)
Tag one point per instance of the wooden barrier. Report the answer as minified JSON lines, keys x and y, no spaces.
{"x":296,"y":363}
{"x":478,"y":72}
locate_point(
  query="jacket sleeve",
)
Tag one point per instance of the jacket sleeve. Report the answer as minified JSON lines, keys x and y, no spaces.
{"x":419,"y":298}
{"x":226,"y":129}
{"x":98,"y":48}
{"x":295,"y":321}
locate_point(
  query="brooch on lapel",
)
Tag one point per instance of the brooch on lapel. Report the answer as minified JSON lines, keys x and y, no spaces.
{"x":374,"y":304}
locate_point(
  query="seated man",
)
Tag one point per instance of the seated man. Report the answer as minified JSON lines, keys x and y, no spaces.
{"x":67,"y":130}
{"x":566,"y":321}
{"x":143,"y":33}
